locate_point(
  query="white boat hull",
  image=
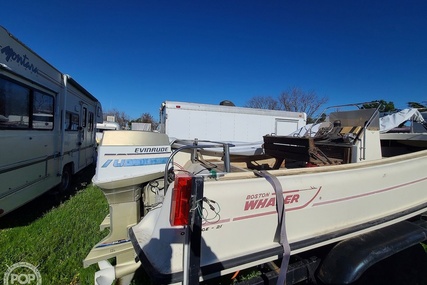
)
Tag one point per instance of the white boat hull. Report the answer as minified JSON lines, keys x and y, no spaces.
{"x":323,"y":205}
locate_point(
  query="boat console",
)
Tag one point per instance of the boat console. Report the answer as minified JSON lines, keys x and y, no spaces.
{"x":348,"y":137}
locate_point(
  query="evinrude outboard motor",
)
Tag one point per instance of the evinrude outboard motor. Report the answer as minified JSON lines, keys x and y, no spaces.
{"x":126,"y":160}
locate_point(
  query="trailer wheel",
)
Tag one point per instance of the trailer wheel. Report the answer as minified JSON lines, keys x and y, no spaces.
{"x":64,"y":186}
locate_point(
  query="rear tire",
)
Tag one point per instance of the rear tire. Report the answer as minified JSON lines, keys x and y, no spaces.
{"x":66,"y":176}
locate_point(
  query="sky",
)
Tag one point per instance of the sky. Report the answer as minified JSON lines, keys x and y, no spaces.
{"x":134,"y":54}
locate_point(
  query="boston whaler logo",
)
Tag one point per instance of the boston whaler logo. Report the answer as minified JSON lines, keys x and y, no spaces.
{"x":295,"y":199}
{"x":265,"y":200}
{"x":11,"y":55}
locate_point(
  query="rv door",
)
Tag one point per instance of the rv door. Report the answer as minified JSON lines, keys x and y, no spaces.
{"x":82,"y":137}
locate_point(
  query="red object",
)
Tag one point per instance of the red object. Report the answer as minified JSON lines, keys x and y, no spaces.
{"x":180,"y":207}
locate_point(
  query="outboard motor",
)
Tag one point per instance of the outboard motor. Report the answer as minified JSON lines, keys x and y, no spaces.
{"x":126,"y":160}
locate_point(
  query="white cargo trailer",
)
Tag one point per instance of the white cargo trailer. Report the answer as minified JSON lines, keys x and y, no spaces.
{"x":225,"y":123}
{"x":47,"y":125}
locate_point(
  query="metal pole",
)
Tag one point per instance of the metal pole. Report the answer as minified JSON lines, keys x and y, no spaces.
{"x":227,"y":167}
{"x":194,"y":234}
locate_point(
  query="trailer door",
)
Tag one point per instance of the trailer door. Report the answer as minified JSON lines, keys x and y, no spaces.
{"x":285,"y":126}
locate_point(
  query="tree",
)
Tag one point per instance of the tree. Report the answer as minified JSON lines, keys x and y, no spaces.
{"x":120,"y":117}
{"x":418,"y":106}
{"x":261,"y":102}
{"x":385,"y":106}
{"x":294,"y":99}
{"x":297,"y":100}
{"x":148,"y":119}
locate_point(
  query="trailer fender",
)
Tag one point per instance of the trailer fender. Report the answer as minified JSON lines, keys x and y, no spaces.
{"x":350,"y":258}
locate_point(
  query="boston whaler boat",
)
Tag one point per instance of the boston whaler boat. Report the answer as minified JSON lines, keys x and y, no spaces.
{"x":184,"y":215}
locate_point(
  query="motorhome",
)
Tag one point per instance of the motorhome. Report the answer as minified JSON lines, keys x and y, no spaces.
{"x":47,"y":125}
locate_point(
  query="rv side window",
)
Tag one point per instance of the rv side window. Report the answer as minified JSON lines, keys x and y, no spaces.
{"x":71,"y":121}
{"x":14,"y":105}
{"x":42,"y":111}
{"x":91,"y":122}
{"x":84,"y":117}
{"x":15,"y":111}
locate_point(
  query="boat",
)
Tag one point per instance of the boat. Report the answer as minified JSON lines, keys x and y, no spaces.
{"x":208,"y":215}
